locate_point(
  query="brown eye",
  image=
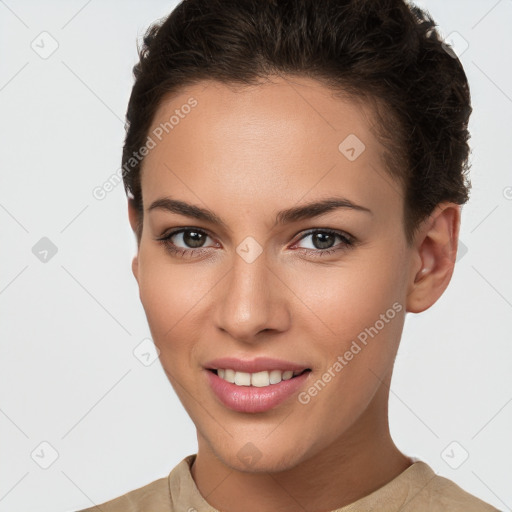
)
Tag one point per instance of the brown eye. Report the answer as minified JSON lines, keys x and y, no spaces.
{"x":323,"y":242}
{"x":185,"y":241}
{"x":193,"y":239}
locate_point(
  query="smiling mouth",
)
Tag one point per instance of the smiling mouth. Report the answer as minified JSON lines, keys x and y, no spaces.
{"x":258,"y":379}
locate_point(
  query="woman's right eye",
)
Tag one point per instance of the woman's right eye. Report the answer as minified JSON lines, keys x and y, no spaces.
{"x":192,"y":240}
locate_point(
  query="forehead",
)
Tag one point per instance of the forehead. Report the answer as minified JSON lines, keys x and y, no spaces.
{"x":288,"y":136}
{"x":292,"y":103}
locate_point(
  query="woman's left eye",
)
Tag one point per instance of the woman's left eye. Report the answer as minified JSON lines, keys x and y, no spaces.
{"x":194,"y":240}
{"x":323,"y":241}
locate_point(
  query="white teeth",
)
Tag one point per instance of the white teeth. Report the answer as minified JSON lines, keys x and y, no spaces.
{"x":258,"y":379}
{"x":229,"y":375}
{"x":276,"y":376}
{"x":242,"y":379}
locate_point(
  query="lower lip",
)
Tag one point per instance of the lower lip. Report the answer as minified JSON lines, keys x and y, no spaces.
{"x":252,"y":398}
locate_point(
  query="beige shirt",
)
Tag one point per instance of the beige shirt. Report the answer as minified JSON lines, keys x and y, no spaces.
{"x":417,"y":488}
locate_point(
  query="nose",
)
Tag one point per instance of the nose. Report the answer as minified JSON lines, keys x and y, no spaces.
{"x":252,"y":299}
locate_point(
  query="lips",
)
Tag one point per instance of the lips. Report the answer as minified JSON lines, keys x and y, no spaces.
{"x":254,"y":399}
{"x":256,"y":385}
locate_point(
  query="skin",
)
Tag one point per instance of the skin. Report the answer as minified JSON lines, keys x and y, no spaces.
{"x":246,"y":154}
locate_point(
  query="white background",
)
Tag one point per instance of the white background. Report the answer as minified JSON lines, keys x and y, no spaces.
{"x":69,"y":326}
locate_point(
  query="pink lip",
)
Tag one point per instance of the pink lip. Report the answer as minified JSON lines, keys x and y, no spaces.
{"x":259,"y":364}
{"x":252,"y":399}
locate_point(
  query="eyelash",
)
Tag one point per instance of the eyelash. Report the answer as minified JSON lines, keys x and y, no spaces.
{"x":347,"y":242}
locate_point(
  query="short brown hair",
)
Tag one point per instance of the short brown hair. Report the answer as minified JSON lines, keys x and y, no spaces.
{"x":387,"y":51}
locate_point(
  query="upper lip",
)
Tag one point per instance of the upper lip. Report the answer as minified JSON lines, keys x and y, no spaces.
{"x":253,"y":365}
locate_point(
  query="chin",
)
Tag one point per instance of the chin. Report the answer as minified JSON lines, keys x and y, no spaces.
{"x":263,"y":457}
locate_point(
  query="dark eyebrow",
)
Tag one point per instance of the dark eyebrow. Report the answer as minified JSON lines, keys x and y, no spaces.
{"x":287,"y":216}
{"x":316,"y":209}
{"x":188,"y":210}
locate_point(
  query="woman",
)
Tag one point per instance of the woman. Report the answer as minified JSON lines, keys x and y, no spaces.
{"x":295,"y":172}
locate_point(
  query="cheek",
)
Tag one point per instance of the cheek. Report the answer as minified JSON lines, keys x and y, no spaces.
{"x":169,"y":293}
{"x":356,"y":327}
{"x":347,"y":299}
{"x":357,"y":324}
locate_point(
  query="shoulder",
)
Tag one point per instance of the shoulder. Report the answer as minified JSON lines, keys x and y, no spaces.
{"x":427,"y":490}
{"x":418,"y":489}
{"x":153,"y":496}
{"x":444,"y":494}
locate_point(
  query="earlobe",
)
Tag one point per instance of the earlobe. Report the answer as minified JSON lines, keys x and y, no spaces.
{"x":436,"y":250}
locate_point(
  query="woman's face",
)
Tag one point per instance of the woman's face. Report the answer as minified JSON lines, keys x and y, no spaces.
{"x":323,"y":291}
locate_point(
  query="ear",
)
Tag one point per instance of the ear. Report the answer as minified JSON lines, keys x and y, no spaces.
{"x":435,"y":248}
{"x":133,"y":216}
